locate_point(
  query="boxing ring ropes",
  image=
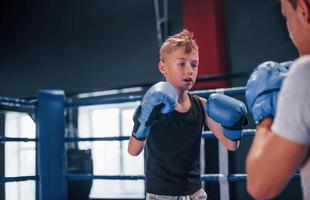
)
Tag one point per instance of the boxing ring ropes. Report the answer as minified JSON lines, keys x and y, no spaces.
{"x":48,"y":112}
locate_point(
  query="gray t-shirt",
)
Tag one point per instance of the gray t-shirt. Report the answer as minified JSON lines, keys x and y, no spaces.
{"x":292,"y":119}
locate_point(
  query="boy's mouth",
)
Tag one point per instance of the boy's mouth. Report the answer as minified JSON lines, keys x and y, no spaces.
{"x":188,"y":80}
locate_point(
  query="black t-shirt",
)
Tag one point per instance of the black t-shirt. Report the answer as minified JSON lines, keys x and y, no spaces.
{"x":173,"y":152}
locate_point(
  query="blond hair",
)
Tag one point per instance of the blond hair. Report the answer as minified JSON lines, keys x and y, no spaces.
{"x":183,"y":39}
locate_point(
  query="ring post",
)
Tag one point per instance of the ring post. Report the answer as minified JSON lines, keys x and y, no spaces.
{"x":51,"y":148}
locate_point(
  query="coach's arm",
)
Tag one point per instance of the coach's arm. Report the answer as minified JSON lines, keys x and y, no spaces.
{"x":271,"y":161}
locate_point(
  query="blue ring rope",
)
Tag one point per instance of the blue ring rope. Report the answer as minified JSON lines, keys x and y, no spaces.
{"x":105,"y":100}
{"x":204,"y":177}
{"x":19,"y":178}
{"x":205,"y":135}
{"x":228,"y":91}
{"x":76,"y":177}
{"x":131,"y":98}
{"x":85,"y":177}
{"x":92,"y":139}
{"x":15,"y":102}
{"x":11,"y":139}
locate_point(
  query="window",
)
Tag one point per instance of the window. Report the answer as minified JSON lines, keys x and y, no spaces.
{"x":111,"y":157}
{"x":20,"y":157}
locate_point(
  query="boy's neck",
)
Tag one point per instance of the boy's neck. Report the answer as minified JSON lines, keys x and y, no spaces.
{"x":183,"y":97}
{"x":184,"y":103}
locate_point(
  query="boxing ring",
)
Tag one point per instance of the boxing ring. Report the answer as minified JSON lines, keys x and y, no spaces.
{"x":48,"y":112}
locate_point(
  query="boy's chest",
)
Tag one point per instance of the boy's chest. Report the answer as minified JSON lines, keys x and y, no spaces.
{"x":183,"y":107}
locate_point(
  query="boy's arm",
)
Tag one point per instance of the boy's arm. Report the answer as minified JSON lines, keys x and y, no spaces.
{"x":135,"y":146}
{"x":217,"y":131}
{"x":225,"y":116}
{"x":160,"y":98}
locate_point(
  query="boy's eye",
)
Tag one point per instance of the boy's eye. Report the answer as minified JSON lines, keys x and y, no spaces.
{"x":182,"y":64}
{"x":194,"y":65}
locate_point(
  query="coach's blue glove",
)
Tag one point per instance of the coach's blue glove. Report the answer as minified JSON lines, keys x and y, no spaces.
{"x":263,"y":87}
{"x":160,"y":98}
{"x":228,"y":112}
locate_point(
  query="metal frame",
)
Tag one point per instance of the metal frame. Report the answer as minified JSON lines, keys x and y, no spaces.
{"x":51,"y":174}
{"x":161,"y":20}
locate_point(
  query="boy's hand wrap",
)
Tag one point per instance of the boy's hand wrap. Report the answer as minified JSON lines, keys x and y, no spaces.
{"x":160,"y":98}
{"x":228,"y":112}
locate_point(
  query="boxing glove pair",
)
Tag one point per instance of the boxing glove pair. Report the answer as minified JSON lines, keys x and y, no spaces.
{"x":262,"y":91}
{"x":162,"y":98}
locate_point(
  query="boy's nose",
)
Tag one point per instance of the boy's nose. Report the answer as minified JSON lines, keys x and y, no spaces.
{"x":189,"y":69}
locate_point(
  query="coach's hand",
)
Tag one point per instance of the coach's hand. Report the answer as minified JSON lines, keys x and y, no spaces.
{"x":263,"y":87}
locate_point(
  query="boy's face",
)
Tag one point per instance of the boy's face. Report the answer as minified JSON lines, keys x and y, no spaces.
{"x":180,"y":68}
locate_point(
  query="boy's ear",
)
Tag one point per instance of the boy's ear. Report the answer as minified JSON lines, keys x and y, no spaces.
{"x":162,"y":67}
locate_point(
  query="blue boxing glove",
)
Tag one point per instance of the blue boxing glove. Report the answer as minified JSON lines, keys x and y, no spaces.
{"x":263,"y":87}
{"x":228,"y":112}
{"x":160,"y":98}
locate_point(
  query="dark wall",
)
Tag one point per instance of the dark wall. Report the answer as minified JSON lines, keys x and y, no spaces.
{"x":256,"y":32}
{"x":79,"y":46}
{"x":82,"y":46}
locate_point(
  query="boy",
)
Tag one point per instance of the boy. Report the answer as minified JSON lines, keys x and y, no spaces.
{"x":169,"y":123}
